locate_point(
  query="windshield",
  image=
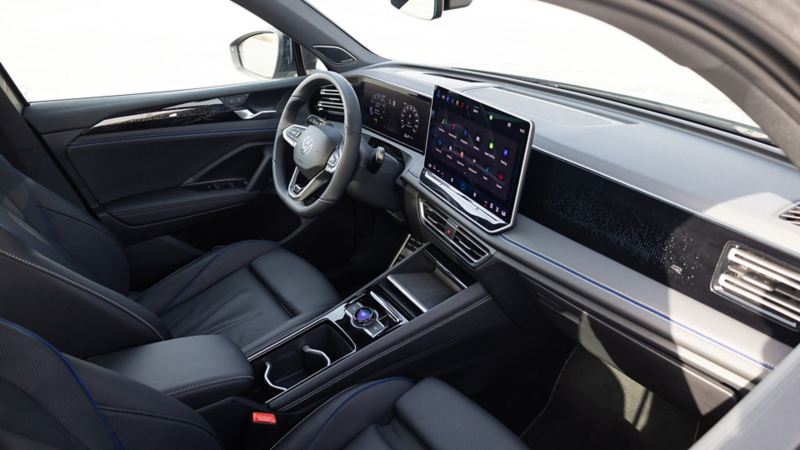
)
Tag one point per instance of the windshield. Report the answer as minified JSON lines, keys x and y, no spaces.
{"x":531,"y":39}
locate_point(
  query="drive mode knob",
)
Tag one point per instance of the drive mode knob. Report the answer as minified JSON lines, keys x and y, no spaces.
{"x":364,"y":316}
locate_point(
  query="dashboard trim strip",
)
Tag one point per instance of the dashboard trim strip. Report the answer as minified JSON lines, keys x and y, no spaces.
{"x":653,"y":311}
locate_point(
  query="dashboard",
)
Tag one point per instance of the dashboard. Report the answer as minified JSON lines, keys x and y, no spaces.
{"x":475,"y":154}
{"x":630,"y":216}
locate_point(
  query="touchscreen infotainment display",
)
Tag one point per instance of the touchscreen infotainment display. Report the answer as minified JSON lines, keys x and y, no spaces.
{"x":479,"y":152}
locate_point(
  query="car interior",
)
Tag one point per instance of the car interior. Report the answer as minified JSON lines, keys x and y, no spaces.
{"x":384,"y":255}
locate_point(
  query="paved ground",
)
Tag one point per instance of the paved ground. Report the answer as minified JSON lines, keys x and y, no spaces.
{"x":61,"y":49}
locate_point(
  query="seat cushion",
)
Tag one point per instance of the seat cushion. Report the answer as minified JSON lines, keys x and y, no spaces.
{"x":249,"y":292}
{"x":396,"y":414}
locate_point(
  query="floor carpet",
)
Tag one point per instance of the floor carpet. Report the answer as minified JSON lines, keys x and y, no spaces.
{"x":595,"y":406}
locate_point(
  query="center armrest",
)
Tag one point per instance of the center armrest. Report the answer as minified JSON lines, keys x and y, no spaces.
{"x":197,"y":370}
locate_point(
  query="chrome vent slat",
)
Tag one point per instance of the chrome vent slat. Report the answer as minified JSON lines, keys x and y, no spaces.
{"x":463,"y":243}
{"x":760,"y":282}
{"x":469,"y":246}
{"x":792,"y":214}
{"x":330,"y":101}
{"x":765,"y":297}
{"x":764,"y":267}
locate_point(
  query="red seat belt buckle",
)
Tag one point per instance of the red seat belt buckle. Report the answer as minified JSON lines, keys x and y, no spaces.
{"x":264,"y":418}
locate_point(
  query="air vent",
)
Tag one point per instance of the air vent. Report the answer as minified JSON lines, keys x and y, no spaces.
{"x":329,"y":102}
{"x":410,"y":245}
{"x":469,"y":246}
{"x":760,"y":282}
{"x":792,"y":215}
{"x":461,"y":241}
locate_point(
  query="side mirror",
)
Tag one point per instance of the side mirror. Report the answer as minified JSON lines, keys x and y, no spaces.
{"x":428,"y":9}
{"x":265,"y":54}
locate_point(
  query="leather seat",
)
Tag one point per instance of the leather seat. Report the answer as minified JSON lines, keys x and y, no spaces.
{"x":395,"y":413}
{"x":55,"y":401}
{"x":66,"y":277}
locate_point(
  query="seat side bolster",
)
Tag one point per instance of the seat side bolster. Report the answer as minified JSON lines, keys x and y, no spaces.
{"x":76,"y":314}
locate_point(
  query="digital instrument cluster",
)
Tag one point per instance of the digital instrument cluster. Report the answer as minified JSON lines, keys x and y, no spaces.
{"x":475,"y":158}
{"x":394,"y":112}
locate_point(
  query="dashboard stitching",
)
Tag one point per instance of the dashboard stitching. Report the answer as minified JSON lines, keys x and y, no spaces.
{"x":650,"y":309}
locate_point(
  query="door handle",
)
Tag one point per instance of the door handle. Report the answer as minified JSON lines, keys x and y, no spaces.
{"x":246,"y":114}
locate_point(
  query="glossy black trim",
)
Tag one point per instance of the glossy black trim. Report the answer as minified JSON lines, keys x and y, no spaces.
{"x":191,"y":113}
{"x":667,"y":244}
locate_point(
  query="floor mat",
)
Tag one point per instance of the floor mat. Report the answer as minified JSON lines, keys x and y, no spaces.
{"x":594,"y":406}
{"x":517,"y":397}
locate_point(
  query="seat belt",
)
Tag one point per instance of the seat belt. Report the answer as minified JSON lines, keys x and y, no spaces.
{"x":23,"y":148}
{"x":15,"y":134}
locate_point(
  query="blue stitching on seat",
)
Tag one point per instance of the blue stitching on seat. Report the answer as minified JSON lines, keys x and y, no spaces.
{"x":764,"y":364}
{"x":350,"y":397}
{"x":114,"y":437}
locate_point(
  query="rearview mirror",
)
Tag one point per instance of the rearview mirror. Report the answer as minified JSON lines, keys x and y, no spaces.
{"x":428,"y":9}
{"x":265,"y":54}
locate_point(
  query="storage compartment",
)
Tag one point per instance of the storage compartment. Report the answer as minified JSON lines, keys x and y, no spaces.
{"x":424,"y":280}
{"x":300,"y":358}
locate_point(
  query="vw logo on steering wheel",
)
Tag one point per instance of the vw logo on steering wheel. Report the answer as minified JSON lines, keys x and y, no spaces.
{"x":308,"y":144}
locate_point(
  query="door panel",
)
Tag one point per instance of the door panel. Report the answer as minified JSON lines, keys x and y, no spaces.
{"x":154,"y":167}
{"x":125,"y":164}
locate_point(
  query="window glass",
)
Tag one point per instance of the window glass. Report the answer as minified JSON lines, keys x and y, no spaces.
{"x":57,"y":49}
{"x":531,"y":39}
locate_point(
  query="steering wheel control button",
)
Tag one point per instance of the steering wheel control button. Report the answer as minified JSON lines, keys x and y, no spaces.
{"x":333,"y":160}
{"x":292,"y":133}
{"x":364,"y":316}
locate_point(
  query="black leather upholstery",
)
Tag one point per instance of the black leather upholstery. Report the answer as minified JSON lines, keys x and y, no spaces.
{"x":66,"y":277}
{"x":197,"y":370}
{"x":242,"y":291}
{"x":395,"y":413}
{"x":50,"y":400}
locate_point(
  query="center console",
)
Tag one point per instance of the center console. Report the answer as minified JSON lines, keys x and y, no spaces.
{"x":421,"y":282}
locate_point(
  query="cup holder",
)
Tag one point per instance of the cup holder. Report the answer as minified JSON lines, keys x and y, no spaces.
{"x":300,"y":358}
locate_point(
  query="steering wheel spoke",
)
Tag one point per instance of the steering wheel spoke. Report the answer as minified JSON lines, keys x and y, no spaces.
{"x":300,"y":193}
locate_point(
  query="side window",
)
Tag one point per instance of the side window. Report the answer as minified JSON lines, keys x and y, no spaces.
{"x":55,"y":50}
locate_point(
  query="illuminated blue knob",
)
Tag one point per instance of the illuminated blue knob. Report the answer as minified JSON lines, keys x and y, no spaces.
{"x":364,"y":316}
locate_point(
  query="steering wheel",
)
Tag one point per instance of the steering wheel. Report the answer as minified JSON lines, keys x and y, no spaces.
{"x":324,"y":155}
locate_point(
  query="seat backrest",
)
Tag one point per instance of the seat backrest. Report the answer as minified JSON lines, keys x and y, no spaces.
{"x":59,"y":230}
{"x":50,"y":400}
{"x":63,"y":275}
